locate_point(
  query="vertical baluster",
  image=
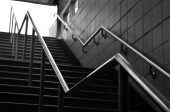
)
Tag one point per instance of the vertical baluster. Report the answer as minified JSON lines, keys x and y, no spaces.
{"x":31,"y":57}
{"x":60,"y":98}
{"x":17,"y":44}
{"x":17,"y":41}
{"x":14,"y":40}
{"x":10,"y":20}
{"x":12,"y":26}
{"x":25,"y":39}
{"x":41,"y":99}
{"x":123,"y":90}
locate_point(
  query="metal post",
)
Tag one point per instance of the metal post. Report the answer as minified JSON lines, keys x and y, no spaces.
{"x":10,"y":20}
{"x":31,"y":57}
{"x":12,"y":26}
{"x":60,"y":98}
{"x":17,"y":44}
{"x":14,"y":40}
{"x":123,"y":90}
{"x":41,"y":99}
{"x":25,"y":39}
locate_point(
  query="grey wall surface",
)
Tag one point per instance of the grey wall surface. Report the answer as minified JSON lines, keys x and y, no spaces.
{"x":144,"y":24}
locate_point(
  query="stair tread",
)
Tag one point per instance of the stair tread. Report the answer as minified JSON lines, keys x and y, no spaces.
{"x":100,"y":95}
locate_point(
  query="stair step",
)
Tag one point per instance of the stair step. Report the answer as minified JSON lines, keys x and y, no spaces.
{"x":99,"y":95}
{"x":52,"y":84}
{"x":20,"y":107}
{"x":53,"y":100}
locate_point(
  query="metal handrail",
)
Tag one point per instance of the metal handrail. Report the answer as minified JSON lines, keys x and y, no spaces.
{"x":118,"y":58}
{"x":117,"y":38}
{"x":156,"y":95}
{"x":13,"y":14}
{"x":125,"y":44}
{"x":48,"y":53}
{"x":65,"y":8}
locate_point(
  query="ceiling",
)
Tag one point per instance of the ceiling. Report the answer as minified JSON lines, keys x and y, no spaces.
{"x":44,"y":2}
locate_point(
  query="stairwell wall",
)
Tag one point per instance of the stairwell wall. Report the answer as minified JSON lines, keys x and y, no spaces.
{"x":145,"y":24}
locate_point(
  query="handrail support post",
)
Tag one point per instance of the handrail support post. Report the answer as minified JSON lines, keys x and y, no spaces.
{"x":123,"y":90}
{"x":31,"y":57}
{"x":12,"y":27}
{"x":14,"y":40}
{"x":41,"y":98}
{"x":60,"y":98}
{"x":25,"y":39}
{"x":17,"y":44}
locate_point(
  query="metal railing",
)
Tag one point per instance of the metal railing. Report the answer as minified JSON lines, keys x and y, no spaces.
{"x":102,"y":29}
{"x":125,"y":68}
{"x":65,"y":8}
{"x":13,"y":26}
{"x":45,"y":50}
{"x":12,"y":22}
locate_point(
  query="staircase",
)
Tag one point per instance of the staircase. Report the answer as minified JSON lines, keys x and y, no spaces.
{"x":100,"y":95}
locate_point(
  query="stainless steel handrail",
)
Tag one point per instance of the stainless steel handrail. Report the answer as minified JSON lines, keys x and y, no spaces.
{"x":65,"y":8}
{"x":70,"y":30}
{"x":13,"y":14}
{"x":117,"y":38}
{"x":48,"y":53}
{"x":137,"y":52}
{"x":124,"y":63}
{"x":156,"y":95}
{"x":128,"y":46}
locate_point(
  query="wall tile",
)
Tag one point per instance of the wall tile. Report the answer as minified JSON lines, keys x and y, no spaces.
{"x":131,"y":17}
{"x":130,"y":4}
{"x":77,"y":51}
{"x":158,"y":83}
{"x":158,"y":55}
{"x":157,"y":15}
{"x":148,"y":43}
{"x":131,"y":56}
{"x":157,"y":36}
{"x":166,"y":30}
{"x":117,"y":47}
{"x":166,"y":53}
{"x":131,"y":35}
{"x":125,"y":36}
{"x":111,"y":20}
{"x":139,"y":45}
{"x":138,"y":65}
{"x":166,"y":8}
{"x":124,"y":24}
{"x":147,"y":5}
{"x":138,"y":29}
{"x":138,"y":11}
{"x":146,"y":67}
{"x":111,"y":6}
{"x":117,"y":14}
{"x":154,"y":2}
{"x":124,"y":7}
{"x":116,"y":28}
{"x":137,"y":1}
{"x":167,"y":94}
{"x":167,"y":80}
{"x":147,"y":22}
{"x":107,"y":54}
{"x":117,"y":2}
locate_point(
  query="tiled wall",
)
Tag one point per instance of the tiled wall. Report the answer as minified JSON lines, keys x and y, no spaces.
{"x":144,"y":24}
